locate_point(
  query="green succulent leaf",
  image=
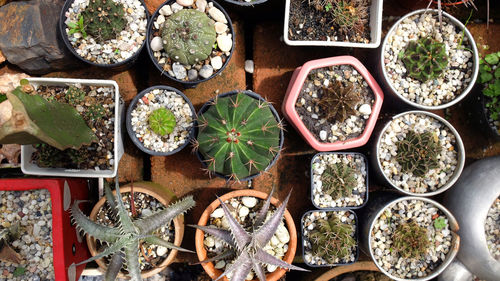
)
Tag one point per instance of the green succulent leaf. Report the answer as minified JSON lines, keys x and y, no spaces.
{"x":491,"y":58}
{"x":162,"y":121}
{"x":486,"y":77}
{"x":439,"y":223}
{"x":497,"y":72}
{"x":425,"y":59}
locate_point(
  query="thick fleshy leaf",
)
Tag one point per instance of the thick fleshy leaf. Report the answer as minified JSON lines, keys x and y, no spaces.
{"x":114,"y":267}
{"x":240,"y":236}
{"x":163,"y":217}
{"x":125,"y":221}
{"x":110,"y":199}
{"x":219,"y":233}
{"x":259,"y":270}
{"x":267,"y":230}
{"x":262,"y":214}
{"x":132,"y":260}
{"x":160,"y":242}
{"x":264,"y":257}
{"x":113,"y":248}
{"x":100,"y":232}
{"x":224,"y":255}
{"x":243,"y":260}
{"x":241,"y":272}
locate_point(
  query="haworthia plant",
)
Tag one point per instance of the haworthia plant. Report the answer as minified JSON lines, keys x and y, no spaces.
{"x":124,"y":239}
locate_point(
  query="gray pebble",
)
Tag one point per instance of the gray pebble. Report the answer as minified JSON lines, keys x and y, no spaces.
{"x":179,"y":71}
{"x":192,"y":74}
{"x":206,"y":71}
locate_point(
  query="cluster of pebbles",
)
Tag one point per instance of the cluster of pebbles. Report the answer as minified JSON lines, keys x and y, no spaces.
{"x":245,"y":209}
{"x":314,"y":118}
{"x":492,"y":229}
{"x":454,"y":79}
{"x":384,"y":227}
{"x":33,"y":210}
{"x":203,"y":69}
{"x":419,"y":123}
{"x":160,"y":98}
{"x":356,"y":162}
{"x":111,"y":51}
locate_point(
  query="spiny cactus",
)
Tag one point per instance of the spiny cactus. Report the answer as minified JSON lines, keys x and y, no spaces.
{"x":338,"y":101}
{"x":425,"y":59}
{"x":345,"y":14}
{"x":248,"y":246}
{"x":188,"y":36}
{"x":162,"y":121}
{"x":417,"y":153}
{"x":239,"y":136}
{"x":124,"y":239}
{"x":338,"y":180}
{"x":104,"y":19}
{"x":332,"y":239}
{"x":75,"y":95}
{"x":410,"y":240}
{"x":95,"y":112}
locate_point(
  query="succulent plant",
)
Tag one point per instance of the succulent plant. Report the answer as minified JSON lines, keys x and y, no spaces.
{"x":162,"y":121}
{"x":345,"y":15}
{"x":417,"y":153}
{"x":247,"y":246}
{"x":425,"y":58}
{"x":188,"y":36}
{"x":124,"y":239}
{"x":104,"y":19}
{"x":75,"y":95}
{"x":238,"y":136}
{"x":332,"y":239}
{"x":338,"y":180}
{"x":339,"y":101}
{"x":95,"y":112}
{"x":410,"y":240}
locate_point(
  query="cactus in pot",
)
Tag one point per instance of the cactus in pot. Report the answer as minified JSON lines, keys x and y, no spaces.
{"x":425,"y":59}
{"x":418,"y":153}
{"x":104,"y":19}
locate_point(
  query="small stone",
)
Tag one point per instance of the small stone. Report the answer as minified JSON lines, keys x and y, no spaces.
{"x":282,"y":234}
{"x":201,"y":5}
{"x":218,"y":213}
{"x":220,"y":27}
{"x":322,"y":135}
{"x":166,"y":10}
{"x":220,"y":264}
{"x":160,"y":251}
{"x":271,"y":268}
{"x":156,"y":44}
{"x":185,"y":3}
{"x":365,"y":109}
{"x":225,"y":43}
{"x":249,"y":66}
{"x":217,"y":15}
{"x":206,"y":71}
{"x":209,"y":242}
{"x":243,"y":211}
{"x":249,"y":202}
{"x":192,"y":74}
{"x":216,"y":62}
{"x":179,"y":71}
{"x":176,"y":7}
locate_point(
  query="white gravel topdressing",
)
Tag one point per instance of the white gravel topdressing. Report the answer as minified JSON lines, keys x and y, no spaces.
{"x":492,"y":229}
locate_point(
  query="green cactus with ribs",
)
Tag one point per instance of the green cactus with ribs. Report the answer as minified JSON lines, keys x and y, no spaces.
{"x":417,"y":153}
{"x":339,"y":180}
{"x":104,"y":19}
{"x":425,"y":59}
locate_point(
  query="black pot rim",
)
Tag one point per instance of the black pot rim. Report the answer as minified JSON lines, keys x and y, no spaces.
{"x":245,"y":4}
{"x":131,"y":132}
{"x":255,"y":96}
{"x":62,"y":29}
{"x":189,"y":84}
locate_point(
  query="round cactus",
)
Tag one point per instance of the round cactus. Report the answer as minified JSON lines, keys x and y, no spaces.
{"x":239,"y":136}
{"x":162,"y":121}
{"x":332,"y":240}
{"x":104,"y":19}
{"x":425,"y":59}
{"x":188,"y":36}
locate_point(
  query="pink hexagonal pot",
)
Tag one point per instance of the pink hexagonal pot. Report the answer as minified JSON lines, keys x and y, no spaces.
{"x":292,"y":93}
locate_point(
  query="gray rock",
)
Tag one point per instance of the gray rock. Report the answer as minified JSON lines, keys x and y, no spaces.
{"x":206,"y":71}
{"x":192,"y":74}
{"x":179,"y":71}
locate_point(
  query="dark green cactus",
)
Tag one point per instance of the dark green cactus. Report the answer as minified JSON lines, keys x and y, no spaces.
{"x":104,"y":19}
{"x":339,"y":180}
{"x":417,"y":153}
{"x":425,"y":59}
{"x":239,"y":136}
{"x":339,"y":101}
{"x":75,"y":95}
{"x":188,"y":36}
{"x":162,"y":121}
{"x":95,"y":111}
{"x":410,"y":240}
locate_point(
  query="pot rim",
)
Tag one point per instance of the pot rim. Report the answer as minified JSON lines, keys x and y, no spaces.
{"x":246,"y":4}
{"x":357,"y":266}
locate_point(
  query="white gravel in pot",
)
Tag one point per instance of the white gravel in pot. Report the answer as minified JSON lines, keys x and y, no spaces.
{"x":492,"y":229}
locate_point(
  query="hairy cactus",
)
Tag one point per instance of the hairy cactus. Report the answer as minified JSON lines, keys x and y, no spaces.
{"x":339,"y":180}
{"x":417,"y":153}
{"x":410,"y":240}
{"x":162,"y":121}
{"x":339,"y":101}
{"x":75,"y":95}
{"x":239,"y":136}
{"x":188,"y":36}
{"x":104,"y":19}
{"x":425,"y":59}
{"x":332,"y":239}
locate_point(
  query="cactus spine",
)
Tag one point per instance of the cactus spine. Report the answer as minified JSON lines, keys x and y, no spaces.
{"x":104,"y":19}
{"x":339,"y":101}
{"x":425,"y":59}
{"x":417,"y":153}
{"x":410,"y":240}
{"x":339,"y":180}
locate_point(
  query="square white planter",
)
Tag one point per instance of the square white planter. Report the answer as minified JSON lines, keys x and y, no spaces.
{"x":27,"y":150}
{"x":375,"y":30}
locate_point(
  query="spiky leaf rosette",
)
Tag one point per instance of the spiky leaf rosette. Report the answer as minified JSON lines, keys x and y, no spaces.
{"x":104,"y":19}
{"x":339,"y":180}
{"x":425,"y":59}
{"x":239,"y":136}
{"x":332,"y":239}
{"x":162,"y":121}
{"x":417,"y":153}
{"x":188,"y":36}
{"x":410,"y":240}
{"x":338,"y":101}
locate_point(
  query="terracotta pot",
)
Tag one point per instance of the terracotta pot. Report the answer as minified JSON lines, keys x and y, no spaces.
{"x":294,"y":88}
{"x":161,"y":194}
{"x":337,"y":271}
{"x":199,"y":236}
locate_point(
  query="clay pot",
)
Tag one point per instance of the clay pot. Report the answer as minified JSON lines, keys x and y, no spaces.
{"x":337,"y":271}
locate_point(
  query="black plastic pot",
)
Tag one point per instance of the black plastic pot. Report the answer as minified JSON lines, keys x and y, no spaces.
{"x":186,"y":84}
{"x":255,"y":96}
{"x":131,"y":132}
{"x":125,"y":64}
{"x":483,"y":117}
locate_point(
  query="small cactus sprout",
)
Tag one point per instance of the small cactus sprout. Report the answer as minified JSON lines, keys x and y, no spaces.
{"x":104,"y":19}
{"x":440,"y":223}
{"x":410,"y":240}
{"x":162,"y":121}
{"x":417,"y":153}
{"x":339,"y":101}
{"x":339,"y":180}
{"x":95,"y":112}
{"x":425,"y":59}
{"x":188,"y":36}
{"x":75,"y":95}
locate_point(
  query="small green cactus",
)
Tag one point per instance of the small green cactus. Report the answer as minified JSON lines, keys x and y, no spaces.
{"x":410,"y":240}
{"x":162,"y":121}
{"x":74,"y":95}
{"x":440,"y":223}
{"x":417,"y":153}
{"x":188,"y":36}
{"x":339,"y":180}
{"x":95,"y":112}
{"x":339,"y":101}
{"x":104,"y":19}
{"x":425,"y":59}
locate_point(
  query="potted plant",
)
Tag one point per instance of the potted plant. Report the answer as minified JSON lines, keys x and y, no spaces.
{"x":239,"y":135}
{"x":489,"y":77}
{"x":329,"y":238}
{"x":190,"y":42}
{"x":46,"y":245}
{"x":333,"y":103}
{"x":339,"y":23}
{"x":361,"y":270}
{"x":339,"y":180}
{"x":234,"y":229}
{"x":429,"y":66}
{"x":141,"y":242}
{"x":160,"y":120}
{"x":419,"y":153}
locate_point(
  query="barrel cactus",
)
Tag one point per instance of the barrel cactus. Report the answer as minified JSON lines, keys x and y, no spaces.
{"x":418,"y":153}
{"x":411,"y":240}
{"x":239,"y":136}
{"x":104,"y":19}
{"x":339,"y":180}
{"x":425,"y":59}
{"x":188,"y":36}
{"x":339,"y":101}
{"x":162,"y":121}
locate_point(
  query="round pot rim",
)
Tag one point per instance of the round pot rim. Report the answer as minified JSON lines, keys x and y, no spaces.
{"x":65,"y":39}
{"x":475,"y":62}
{"x":255,"y":96}
{"x":246,"y":4}
{"x":191,"y":84}
{"x":199,"y":235}
{"x":178,"y":227}
{"x":131,"y":132}
{"x":357,"y":266}
{"x":458,"y":144}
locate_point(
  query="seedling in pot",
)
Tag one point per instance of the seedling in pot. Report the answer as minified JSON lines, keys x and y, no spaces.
{"x":104,"y":19}
{"x":339,"y":180}
{"x":332,"y":239}
{"x":418,"y":153}
{"x":425,"y":58}
{"x":410,"y":240}
{"x":162,"y":121}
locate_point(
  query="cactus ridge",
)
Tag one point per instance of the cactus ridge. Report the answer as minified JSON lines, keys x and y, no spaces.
{"x":339,"y":180}
{"x":162,"y":121}
{"x":410,"y":240}
{"x":425,"y":59}
{"x":104,"y":19}
{"x":339,"y":101}
{"x":417,"y":153}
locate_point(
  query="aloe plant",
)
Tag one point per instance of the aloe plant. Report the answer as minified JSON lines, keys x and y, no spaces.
{"x":124,"y":239}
